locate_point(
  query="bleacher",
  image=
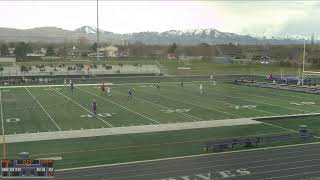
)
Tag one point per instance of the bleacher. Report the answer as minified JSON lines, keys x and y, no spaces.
{"x":241,"y":142}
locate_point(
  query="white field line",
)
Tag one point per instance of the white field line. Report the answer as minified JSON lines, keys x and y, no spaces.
{"x":121,"y":106}
{"x":164,"y":107}
{"x":2,"y":123}
{"x":270,"y":98}
{"x":83,"y":107}
{"x":54,"y":122}
{"x":280,"y":126}
{"x":190,"y":156}
{"x":187,"y":102}
{"x":93,"y":84}
{"x":273,"y":92}
{"x":222,"y":102}
{"x":275,"y":105}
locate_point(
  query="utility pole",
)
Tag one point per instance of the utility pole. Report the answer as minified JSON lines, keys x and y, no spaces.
{"x":98,"y":59}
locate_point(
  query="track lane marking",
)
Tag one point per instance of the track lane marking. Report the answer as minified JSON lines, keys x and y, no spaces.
{"x":54,"y":122}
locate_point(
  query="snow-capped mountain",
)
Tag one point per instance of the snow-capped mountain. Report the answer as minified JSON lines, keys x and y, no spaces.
{"x":185,"y":37}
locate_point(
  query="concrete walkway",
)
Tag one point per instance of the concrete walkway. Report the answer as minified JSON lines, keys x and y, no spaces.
{"x":125,"y":130}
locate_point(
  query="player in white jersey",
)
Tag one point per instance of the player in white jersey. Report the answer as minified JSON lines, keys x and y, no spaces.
{"x":201,"y":90}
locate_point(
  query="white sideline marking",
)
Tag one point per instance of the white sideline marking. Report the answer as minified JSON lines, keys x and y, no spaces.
{"x":82,"y":107}
{"x":191,"y":156}
{"x":266,"y":103}
{"x":164,"y":107}
{"x":12,"y":138}
{"x":43,"y":109}
{"x":2,"y":124}
{"x":120,"y":106}
{"x":52,"y":85}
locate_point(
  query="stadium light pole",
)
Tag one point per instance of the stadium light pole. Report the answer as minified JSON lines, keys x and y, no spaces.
{"x":98,"y":59}
{"x":303,"y":60}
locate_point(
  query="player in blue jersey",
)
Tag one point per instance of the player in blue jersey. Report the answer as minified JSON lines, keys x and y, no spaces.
{"x":94,"y":106}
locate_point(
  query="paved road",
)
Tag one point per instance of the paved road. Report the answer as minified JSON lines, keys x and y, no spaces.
{"x":289,"y":163}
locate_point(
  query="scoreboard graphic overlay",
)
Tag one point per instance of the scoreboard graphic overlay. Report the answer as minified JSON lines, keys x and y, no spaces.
{"x":27,"y":168}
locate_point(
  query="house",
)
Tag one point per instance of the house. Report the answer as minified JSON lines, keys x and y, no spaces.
{"x":171,"y":56}
{"x":109,"y":51}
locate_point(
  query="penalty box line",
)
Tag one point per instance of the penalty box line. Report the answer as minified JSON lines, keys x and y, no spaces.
{"x":54,"y":122}
{"x":82,"y":107}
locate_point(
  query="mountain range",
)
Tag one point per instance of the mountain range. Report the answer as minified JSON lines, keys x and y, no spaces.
{"x":184,"y":37}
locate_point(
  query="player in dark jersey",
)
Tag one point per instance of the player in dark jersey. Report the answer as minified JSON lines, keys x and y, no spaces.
{"x":130,"y":93}
{"x":181,"y":84}
{"x":103,"y":89}
{"x":71,"y":86}
{"x":94,"y":106}
{"x":158,"y":85}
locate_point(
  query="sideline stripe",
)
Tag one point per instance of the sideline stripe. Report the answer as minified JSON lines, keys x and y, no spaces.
{"x":191,"y":156}
{"x":120,"y":106}
{"x":82,"y":107}
{"x":93,"y":84}
{"x":43,"y":109}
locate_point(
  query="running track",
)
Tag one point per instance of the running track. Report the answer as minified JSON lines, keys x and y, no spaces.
{"x":288,"y":163}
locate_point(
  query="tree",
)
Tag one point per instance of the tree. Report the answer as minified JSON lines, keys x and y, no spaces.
{"x":94,"y":47}
{"x":62,"y":52}
{"x":4,"y":50}
{"x":172,"y":48}
{"x":21,"y":50}
{"x":50,"y":51}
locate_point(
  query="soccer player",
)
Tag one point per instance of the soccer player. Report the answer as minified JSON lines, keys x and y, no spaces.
{"x":214,"y":82}
{"x":181,"y":85}
{"x":158,"y":85}
{"x":109,"y":90}
{"x":94,"y":106}
{"x":103,"y":89}
{"x":211,"y":78}
{"x":65,"y":82}
{"x":71,"y":86}
{"x":200,"y":88}
{"x":130,"y":93}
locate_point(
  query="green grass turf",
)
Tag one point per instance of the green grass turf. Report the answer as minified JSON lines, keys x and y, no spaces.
{"x":312,"y":122}
{"x":132,"y":147}
{"x":202,"y":67}
{"x":65,"y":110}
{"x":148,"y":106}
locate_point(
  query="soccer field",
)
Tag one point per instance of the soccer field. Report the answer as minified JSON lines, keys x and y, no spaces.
{"x":43,"y":109}
{"x":36,"y":110}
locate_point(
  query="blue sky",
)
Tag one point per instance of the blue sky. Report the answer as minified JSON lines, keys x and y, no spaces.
{"x":242,"y":17}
